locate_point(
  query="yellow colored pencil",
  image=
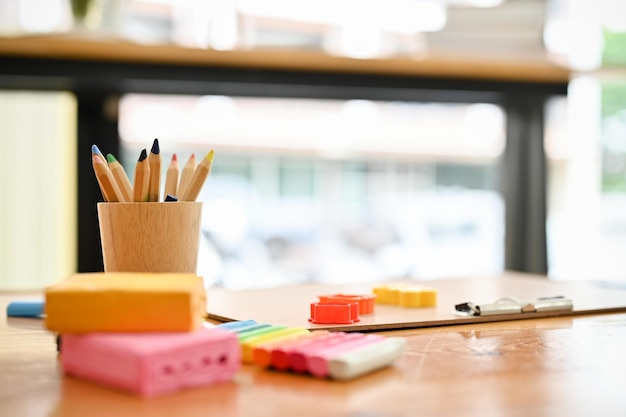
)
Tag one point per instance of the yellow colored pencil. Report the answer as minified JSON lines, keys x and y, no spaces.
{"x":186,"y":174}
{"x":120,"y":177}
{"x":110,"y":191}
{"x":142,"y":178}
{"x":199,"y":176}
{"x":171,"y":179}
{"x":154,"y":160}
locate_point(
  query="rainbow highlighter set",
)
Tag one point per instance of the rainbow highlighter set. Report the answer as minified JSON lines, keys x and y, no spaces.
{"x":144,"y":333}
{"x":337,"y":355}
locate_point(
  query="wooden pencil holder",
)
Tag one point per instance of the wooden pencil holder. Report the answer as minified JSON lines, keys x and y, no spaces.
{"x":150,"y":237}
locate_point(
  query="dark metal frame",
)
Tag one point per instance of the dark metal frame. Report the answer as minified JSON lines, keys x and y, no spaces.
{"x":98,"y":84}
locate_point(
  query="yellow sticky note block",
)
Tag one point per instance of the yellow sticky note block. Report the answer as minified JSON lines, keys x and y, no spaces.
{"x":395,"y":294}
{"x":410,"y":297}
{"x":387,"y":294}
{"x":383,"y":294}
{"x":406,"y":295}
{"x":429,"y":297}
{"x":126,"y":302}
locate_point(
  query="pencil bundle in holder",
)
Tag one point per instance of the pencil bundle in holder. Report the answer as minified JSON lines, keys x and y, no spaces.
{"x":182,"y":185}
{"x":139,"y":237}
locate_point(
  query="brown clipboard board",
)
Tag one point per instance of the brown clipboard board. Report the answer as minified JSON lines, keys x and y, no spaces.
{"x":290,"y":305}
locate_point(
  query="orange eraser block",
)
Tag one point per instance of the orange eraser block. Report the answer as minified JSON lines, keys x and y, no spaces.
{"x":126,"y":302}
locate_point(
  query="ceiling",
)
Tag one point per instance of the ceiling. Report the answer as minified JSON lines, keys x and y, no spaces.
{"x":513,"y":28}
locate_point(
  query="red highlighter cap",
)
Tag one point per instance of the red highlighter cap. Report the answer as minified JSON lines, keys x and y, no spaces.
{"x":366,"y":301}
{"x":334,"y":313}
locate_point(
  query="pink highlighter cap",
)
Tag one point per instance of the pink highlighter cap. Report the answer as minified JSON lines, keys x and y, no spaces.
{"x":334,"y":313}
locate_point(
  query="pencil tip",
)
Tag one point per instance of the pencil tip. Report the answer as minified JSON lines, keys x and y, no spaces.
{"x":174,"y":157}
{"x":143,"y":155}
{"x":155,"y":147}
{"x":95,"y":150}
{"x":111,"y":158}
{"x":209,"y":155}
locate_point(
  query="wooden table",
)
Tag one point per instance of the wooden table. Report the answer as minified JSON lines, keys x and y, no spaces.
{"x":567,"y":366}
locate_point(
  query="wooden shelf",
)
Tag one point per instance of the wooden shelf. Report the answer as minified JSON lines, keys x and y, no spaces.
{"x":110,"y":49}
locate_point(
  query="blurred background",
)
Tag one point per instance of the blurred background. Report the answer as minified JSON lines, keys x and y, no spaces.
{"x":336,"y":191}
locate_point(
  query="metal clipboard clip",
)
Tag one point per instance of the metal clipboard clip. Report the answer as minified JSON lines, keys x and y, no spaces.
{"x":512,"y":305}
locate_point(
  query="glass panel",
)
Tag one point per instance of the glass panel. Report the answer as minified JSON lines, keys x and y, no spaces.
{"x":334,"y":191}
{"x":37,"y":188}
{"x":586,"y":149}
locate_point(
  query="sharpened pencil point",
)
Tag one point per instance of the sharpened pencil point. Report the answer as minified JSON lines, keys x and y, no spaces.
{"x":155,"y":147}
{"x":193,"y":188}
{"x":96,"y":151}
{"x":111,"y":158}
{"x":174,"y":157}
{"x":143,"y":155}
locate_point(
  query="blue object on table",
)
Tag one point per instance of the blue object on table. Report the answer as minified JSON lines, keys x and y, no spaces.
{"x":234,"y":325}
{"x":25,"y":309}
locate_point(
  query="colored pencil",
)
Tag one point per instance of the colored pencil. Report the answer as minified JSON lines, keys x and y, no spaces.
{"x":187,"y":173}
{"x":110,"y":191}
{"x":171,"y":179}
{"x":142,"y":178}
{"x":154,"y":159}
{"x":120,"y":177}
{"x":96,"y":151}
{"x":199,"y":176}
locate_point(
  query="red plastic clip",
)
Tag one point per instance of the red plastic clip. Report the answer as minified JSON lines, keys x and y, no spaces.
{"x":365,"y":302}
{"x":334,"y":313}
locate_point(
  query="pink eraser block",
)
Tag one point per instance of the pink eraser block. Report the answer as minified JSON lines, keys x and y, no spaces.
{"x":150,"y":364}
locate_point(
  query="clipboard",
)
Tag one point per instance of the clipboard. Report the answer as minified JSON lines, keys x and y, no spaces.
{"x":290,"y":305}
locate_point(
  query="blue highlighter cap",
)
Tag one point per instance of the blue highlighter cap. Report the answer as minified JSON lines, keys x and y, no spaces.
{"x":235,"y":325}
{"x":25,"y":309}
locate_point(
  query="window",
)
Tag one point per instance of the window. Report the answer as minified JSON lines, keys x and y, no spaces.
{"x":334,"y":191}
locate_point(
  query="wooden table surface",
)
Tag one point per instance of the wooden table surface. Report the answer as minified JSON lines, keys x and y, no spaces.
{"x":566,"y":366}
